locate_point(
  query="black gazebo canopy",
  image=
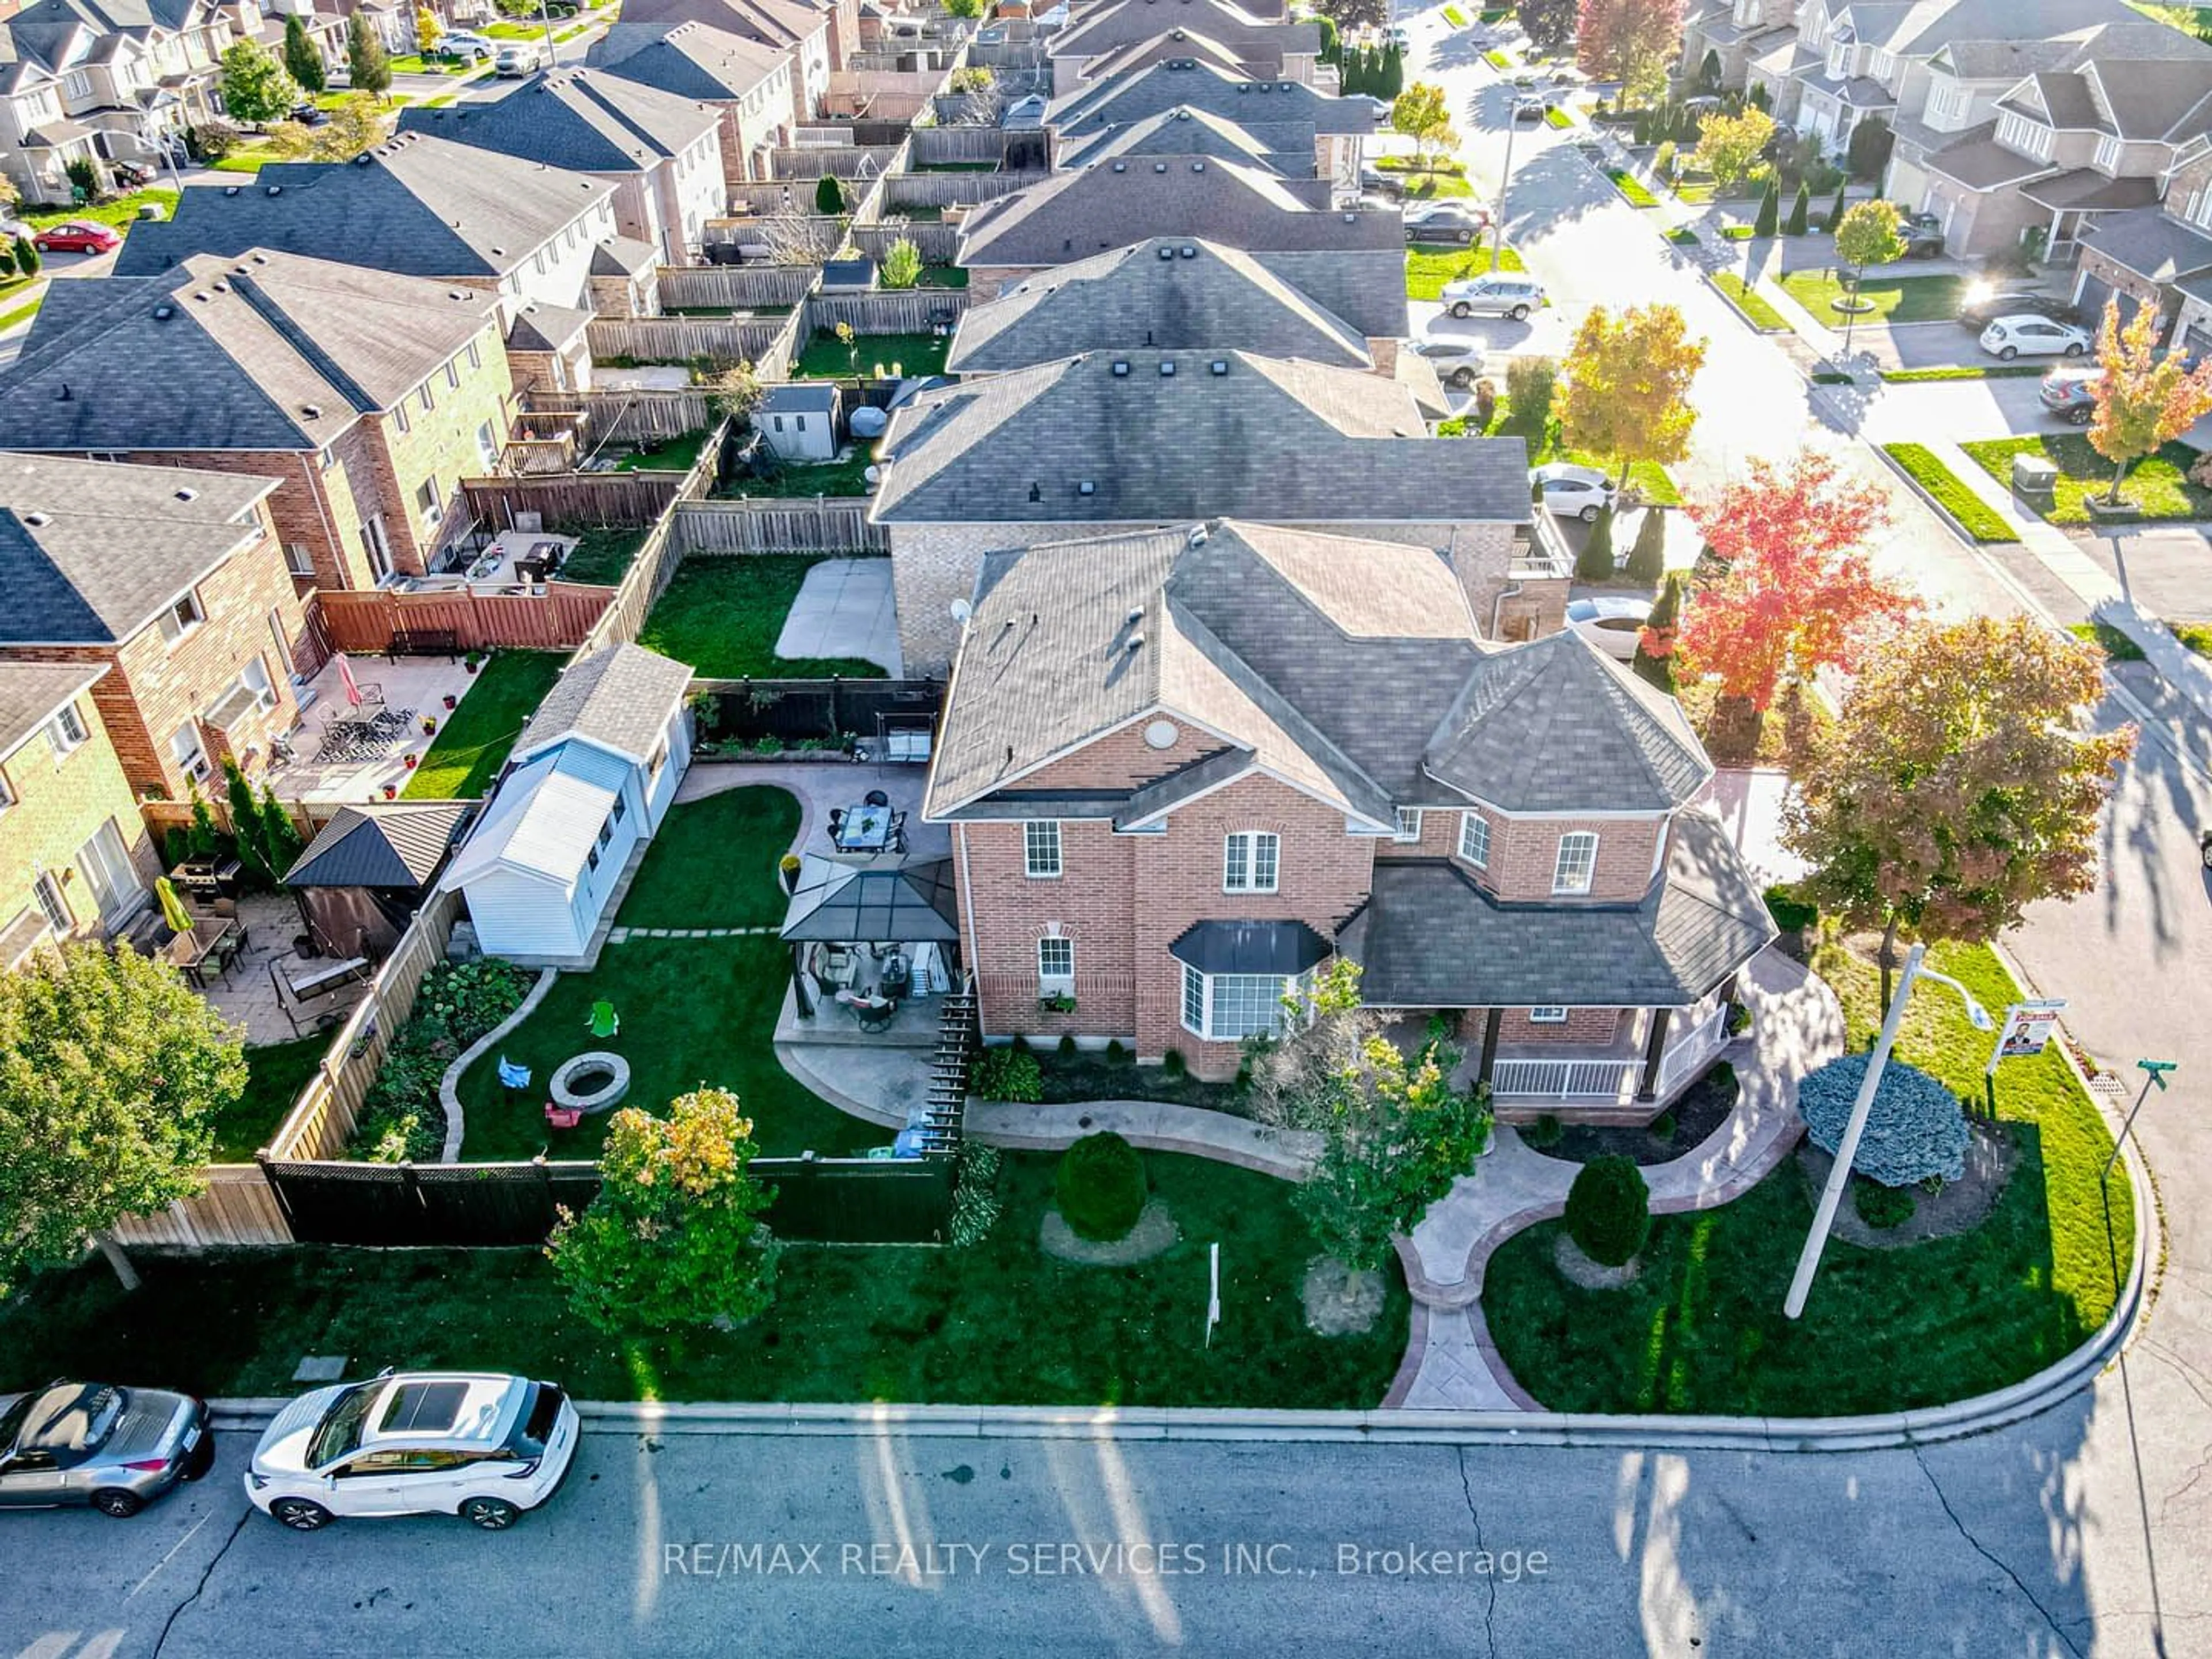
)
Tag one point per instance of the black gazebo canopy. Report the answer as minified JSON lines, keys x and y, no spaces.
{"x":883,"y":902}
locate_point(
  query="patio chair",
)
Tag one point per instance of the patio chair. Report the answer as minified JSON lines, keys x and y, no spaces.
{"x":604,"y":1022}
{"x":836,"y":822}
{"x":895,"y":836}
{"x":875,"y":798}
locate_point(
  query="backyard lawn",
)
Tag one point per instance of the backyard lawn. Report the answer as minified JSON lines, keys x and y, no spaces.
{"x":1895,"y":299}
{"x":722,"y":616}
{"x":602,"y":556}
{"x":1702,"y":1329}
{"x":714,"y":863}
{"x":472,"y":743}
{"x":1428,"y":267}
{"x":275,"y":1074}
{"x":2158,"y":486}
{"x":847,"y":477}
{"x":999,"y":1321}
{"x":671,"y":455}
{"x":824,"y":359}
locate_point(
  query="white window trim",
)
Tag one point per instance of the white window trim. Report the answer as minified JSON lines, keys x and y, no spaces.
{"x":1560,"y":887}
{"x":1406,"y":833}
{"x":1551,"y":1014}
{"x":1034,"y":833}
{"x":58,"y":734}
{"x":1475,"y":839}
{"x":174,"y":630}
{"x":1055,"y":982}
{"x":1251,"y":882}
{"x":1290,"y":985}
{"x":194,"y":764}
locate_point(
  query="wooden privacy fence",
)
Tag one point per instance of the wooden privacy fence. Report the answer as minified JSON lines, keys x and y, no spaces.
{"x":938,"y":244}
{"x":888,"y":134}
{"x":909,"y":311}
{"x":810,"y":161}
{"x":574,"y":501}
{"x":622,"y":415}
{"x":930,"y":144}
{"x":461,"y":1205}
{"x":778,"y":525}
{"x":904,"y":190}
{"x":643,"y":584}
{"x":680,"y":339}
{"x":237,"y":1208}
{"x":739,"y":287}
{"x":377,"y":620}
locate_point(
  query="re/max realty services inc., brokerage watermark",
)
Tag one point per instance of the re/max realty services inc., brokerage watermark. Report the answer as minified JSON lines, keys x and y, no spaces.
{"x":1055,"y":1559}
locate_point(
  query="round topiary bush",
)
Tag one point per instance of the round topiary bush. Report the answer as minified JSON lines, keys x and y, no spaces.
{"x":1883,"y":1207}
{"x":1609,"y":1210}
{"x":1100,"y":1187}
{"x":1914,"y":1129}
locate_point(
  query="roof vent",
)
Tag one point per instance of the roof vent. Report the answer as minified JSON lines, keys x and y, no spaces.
{"x":230,"y":190}
{"x":1182,"y":115}
{"x":274,"y":190}
{"x":260,"y":258}
{"x":1167,"y":253}
{"x":162,"y":314}
{"x":1121,"y":166}
{"x":1035,"y":494}
{"x":1189,"y":252}
{"x":37,"y":520}
{"x":1086,"y":487}
{"x":1219,"y":366}
{"x":499,"y":252}
{"x":1197,"y":537}
{"x":456,"y":294}
{"x":1178,"y":35}
{"x":1243,"y":86}
{"x":1351,"y":218}
{"x":1136,"y":642}
{"x":220,"y":286}
{"x":1136,"y":613}
{"x":201,"y":296}
{"x":1198,"y":167}
{"x":188,"y":494}
{"x":312,"y":411}
{"x":1167,"y":369}
{"x":1159,"y":167}
{"x":1120,"y":368}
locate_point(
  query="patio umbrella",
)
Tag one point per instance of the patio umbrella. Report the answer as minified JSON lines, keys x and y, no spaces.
{"x":173,"y":908}
{"x":346,"y":679}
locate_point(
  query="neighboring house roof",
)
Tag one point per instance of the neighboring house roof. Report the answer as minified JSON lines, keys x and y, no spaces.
{"x":541,"y":327}
{"x":1217,"y":297}
{"x":91,"y":552}
{"x":385,"y":843}
{"x":2085,"y":189}
{"x":2148,"y":243}
{"x":263,"y":352}
{"x":1977,"y":160}
{"x":798,"y":398}
{"x":1552,"y":725}
{"x":1262,"y":439}
{"x":1249,"y":58}
{"x":1283,"y":148}
{"x":2063,"y":101}
{"x":33,"y":693}
{"x":624,"y":256}
{"x":1098,"y":105}
{"x":777,"y":23}
{"x":1859,"y":91}
{"x":1430,"y":937}
{"x":585,"y":120}
{"x":692,"y":60}
{"x":416,"y":205}
{"x":1922,"y":28}
{"x":620,"y":699}
{"x":1103,"y":28}
{"x":543,"y":822}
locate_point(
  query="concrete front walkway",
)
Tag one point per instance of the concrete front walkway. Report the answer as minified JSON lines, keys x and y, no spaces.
{"x":1450,"y":1362}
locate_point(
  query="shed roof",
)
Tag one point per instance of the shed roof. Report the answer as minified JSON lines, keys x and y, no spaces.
{"x":620,"y":699}
{"x":543,"y":822}
{"x":385,"y":843}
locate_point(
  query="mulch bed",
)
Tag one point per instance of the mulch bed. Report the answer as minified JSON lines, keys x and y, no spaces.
{"x":1961,"y":1207}
{"x":1702,"y":1109}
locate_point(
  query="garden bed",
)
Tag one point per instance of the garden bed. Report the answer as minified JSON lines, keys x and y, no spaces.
{"x":1676,"y":1132}
{"x":1090,"y":1074}
{"x":2157,"y":487}
{"x":722,"y":615}
{"x":464,"y":759}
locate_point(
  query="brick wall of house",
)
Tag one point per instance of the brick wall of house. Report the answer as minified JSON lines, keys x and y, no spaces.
{"x":1123,"y":759}
{"x":158,"y":686}
{"x":1524,"y":853}
{"x":439,"y":447}
{"x":309,"y":507}
{"x":59,"y":806}
{"x":2096,"y":265}
{"x":1091,"y":903}
{"x":1581,"y":1025}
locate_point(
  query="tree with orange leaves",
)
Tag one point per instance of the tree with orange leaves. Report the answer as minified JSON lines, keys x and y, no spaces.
{"x":2144,"y":400}
{"x":1800,"y":593}
{"x":1961,"y":784}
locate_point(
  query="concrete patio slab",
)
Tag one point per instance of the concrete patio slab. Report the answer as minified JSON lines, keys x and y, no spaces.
{"x":845,"y":609}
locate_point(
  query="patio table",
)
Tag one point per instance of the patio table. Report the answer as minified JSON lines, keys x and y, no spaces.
{"x":865,"y":829}
{"x":191,"y":952}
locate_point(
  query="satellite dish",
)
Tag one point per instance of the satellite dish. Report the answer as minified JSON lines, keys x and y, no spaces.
{"x":961,"y":610}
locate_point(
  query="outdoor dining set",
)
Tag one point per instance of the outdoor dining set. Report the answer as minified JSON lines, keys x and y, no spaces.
{"x":871,"y":826}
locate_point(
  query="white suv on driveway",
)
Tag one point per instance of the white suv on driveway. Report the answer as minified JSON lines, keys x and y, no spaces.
{"x":419,"y":1443}
{"x":1494,"y":294}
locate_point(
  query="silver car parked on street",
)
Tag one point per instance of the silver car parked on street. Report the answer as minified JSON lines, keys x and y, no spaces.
{"x":93,"y":1442}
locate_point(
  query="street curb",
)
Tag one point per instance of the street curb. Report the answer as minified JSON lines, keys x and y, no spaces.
{"x":1950,"y":519}
{"x":2027,"y":1398}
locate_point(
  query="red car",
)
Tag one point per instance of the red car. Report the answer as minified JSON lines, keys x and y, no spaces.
{"x":76,"y":236}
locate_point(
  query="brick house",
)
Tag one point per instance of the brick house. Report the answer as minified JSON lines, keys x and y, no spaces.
{"x":1340,"y":126}
{"x":1144,"y":440}
{"x":748,"y":85}
{"x":76,"y":860}
{"x":2159,"y":256}
{"x":366,"y":397}
{"x":1285,"y":51}
{"x":814,"y":36}
{"x":1182,"y":770}
{"x":662,"y":153}
{"x":173,"y":582}
{"x":1734,"y":32}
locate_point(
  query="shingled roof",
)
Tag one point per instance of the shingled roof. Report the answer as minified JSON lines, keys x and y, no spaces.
{"x":1285,"y":148}
{"x":777,"y":23}
{"x":266,"y":351}
{"x":1165,"y":293}
{"x":1170,"y":438}
{"x":619,"y":699}
{"x":692,"y":60}
{"x":1097,"y":104}
{"x":1105,"y":28}
{"x":585,"y":120}
{"x":416,"y":205}
{"x":91,"y":551}
{"x":1254,"y":60}
{"x":385,"y":843}
{"x":32,"y":693}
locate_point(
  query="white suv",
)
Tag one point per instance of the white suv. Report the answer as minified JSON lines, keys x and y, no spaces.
{"x":1494,"y":294}
{"x":420,"y":1442}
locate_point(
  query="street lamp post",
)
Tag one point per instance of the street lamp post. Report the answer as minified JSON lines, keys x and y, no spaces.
{"x":1808,"y":1261}
{"x":1504,"y":185}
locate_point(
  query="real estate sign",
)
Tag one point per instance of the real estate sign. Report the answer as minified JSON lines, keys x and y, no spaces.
{"x":2028,"y":1027}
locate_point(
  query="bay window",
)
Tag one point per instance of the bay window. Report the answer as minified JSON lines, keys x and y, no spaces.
{"x":1224,"y":1007}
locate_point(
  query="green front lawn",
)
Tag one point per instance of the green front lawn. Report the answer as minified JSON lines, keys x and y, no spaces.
{"x":1951,"y":492}
{"x":1456,"y":17}
{"x":1425,"y":183}
{"x":1964,"y":372}
{"x":1498,"y":60}
{"x":121,"y":212}
{"x":670,"y":455}
{"x":998,"y":1322}
{"x":1428,"y":268}
{"x":20,"y":314}
{"x":722,"y":616}
{"x":1755,"y":311}
{"x":472,"y":742}
{"x":246,"y":158}
{"x":2195,"y":636}
{"x":1895,"y":299}
{"x":824,"y":359}
{"x":1557,"y":117}
{"x":1631,"y":188}
{"x":2157,"y":487}
{"x":1682,"y":236}
{"x":602,"y":556}
{"x":1702,"y":1329}
{"x":1651,"y":480}
{"x":275,"y":1074}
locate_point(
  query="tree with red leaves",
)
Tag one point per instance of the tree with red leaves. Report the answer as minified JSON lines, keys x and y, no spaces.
{"x":1962,"y":783}
{"x":1630,"y":41}
{"x":1800,"y":594}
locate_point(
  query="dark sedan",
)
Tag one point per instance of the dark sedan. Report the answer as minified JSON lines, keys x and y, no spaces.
{"x":93,"y":1442}
{"x":1985,"y":305}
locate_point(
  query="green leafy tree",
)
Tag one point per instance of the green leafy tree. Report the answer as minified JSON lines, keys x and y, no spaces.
{"x":368,"y":64}
{"x":246,"y":825}
{"x":429,"y":31}
{"x":112,"y":1072}
{"x":1962,"y":783}
{"x":281,"y":844}
{"x":201,"y":840}
{"x":1391,"y":81}
{"x":7,"y":260}
{"x":1655,"y":646}
{"x":1530,"y":385}
{"x":1800,"y":211}
{"x":1596,"y":563}
{"x":87,"y":178}
{"x":1868,"y":154}
{"x":301,"y":61}
{"x":828,"y":195}
{"x":1549,"y":25}
{"x":255,"y":86}
{"x":2145,"y":398}
{"x":1326,"y":27}
{"x":964,"y":8}
{"x":1870,"y":234}
{"x":902,"y":265}
{"x":1609,"y":1210}
{"x":674,"y":1240}
{"x":1768,"y":220}
{"x":1729,"y":145}
{"x":735,"y":390}
{"x":1627,"y":393}
{"x":1421,"y":114}
{"x":1647,"y":558}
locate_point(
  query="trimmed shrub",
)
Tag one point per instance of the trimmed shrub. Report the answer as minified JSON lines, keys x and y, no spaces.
{"x":1530,"y":384}
{"x":1068,"y":1045}
{"x":1883,"y":1207}
{"x":1595,"y":564}
{"x":1609,"y":1210}
{"x":1647,"y":558}
{"x":1836,"y":207}
{"x":1914,"y":1129}
{"x":1801,"y":211}
{"x":1769,"y":212}
{"x":975,"y":1198}
{"x":1100,"y":1187}
{"x":1171,"y":1063}
{"x":1663,"y":1127}
{"x":1544,"y":1132}
{"x":1116,"y":1054}
{"x":1792,"y":912}
{"x":828,"y":195}
{"x":1007,"y":1074}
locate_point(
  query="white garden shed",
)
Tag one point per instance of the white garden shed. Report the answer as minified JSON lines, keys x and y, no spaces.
{"x":589,"y":780}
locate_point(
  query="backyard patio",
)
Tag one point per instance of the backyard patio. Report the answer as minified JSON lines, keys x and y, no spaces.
{"x":343,"y":751}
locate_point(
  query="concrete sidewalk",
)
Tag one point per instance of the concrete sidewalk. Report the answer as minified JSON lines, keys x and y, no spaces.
{"x":1451,"y":1364}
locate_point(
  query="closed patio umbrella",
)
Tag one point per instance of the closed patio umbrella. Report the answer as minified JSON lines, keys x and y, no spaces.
{"x":173,"y":907}
{"x":346,"y":679}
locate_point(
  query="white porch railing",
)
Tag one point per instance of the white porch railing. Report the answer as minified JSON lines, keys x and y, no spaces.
{"x":1565,"y":1080}
{"x":1692,"y":1048}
